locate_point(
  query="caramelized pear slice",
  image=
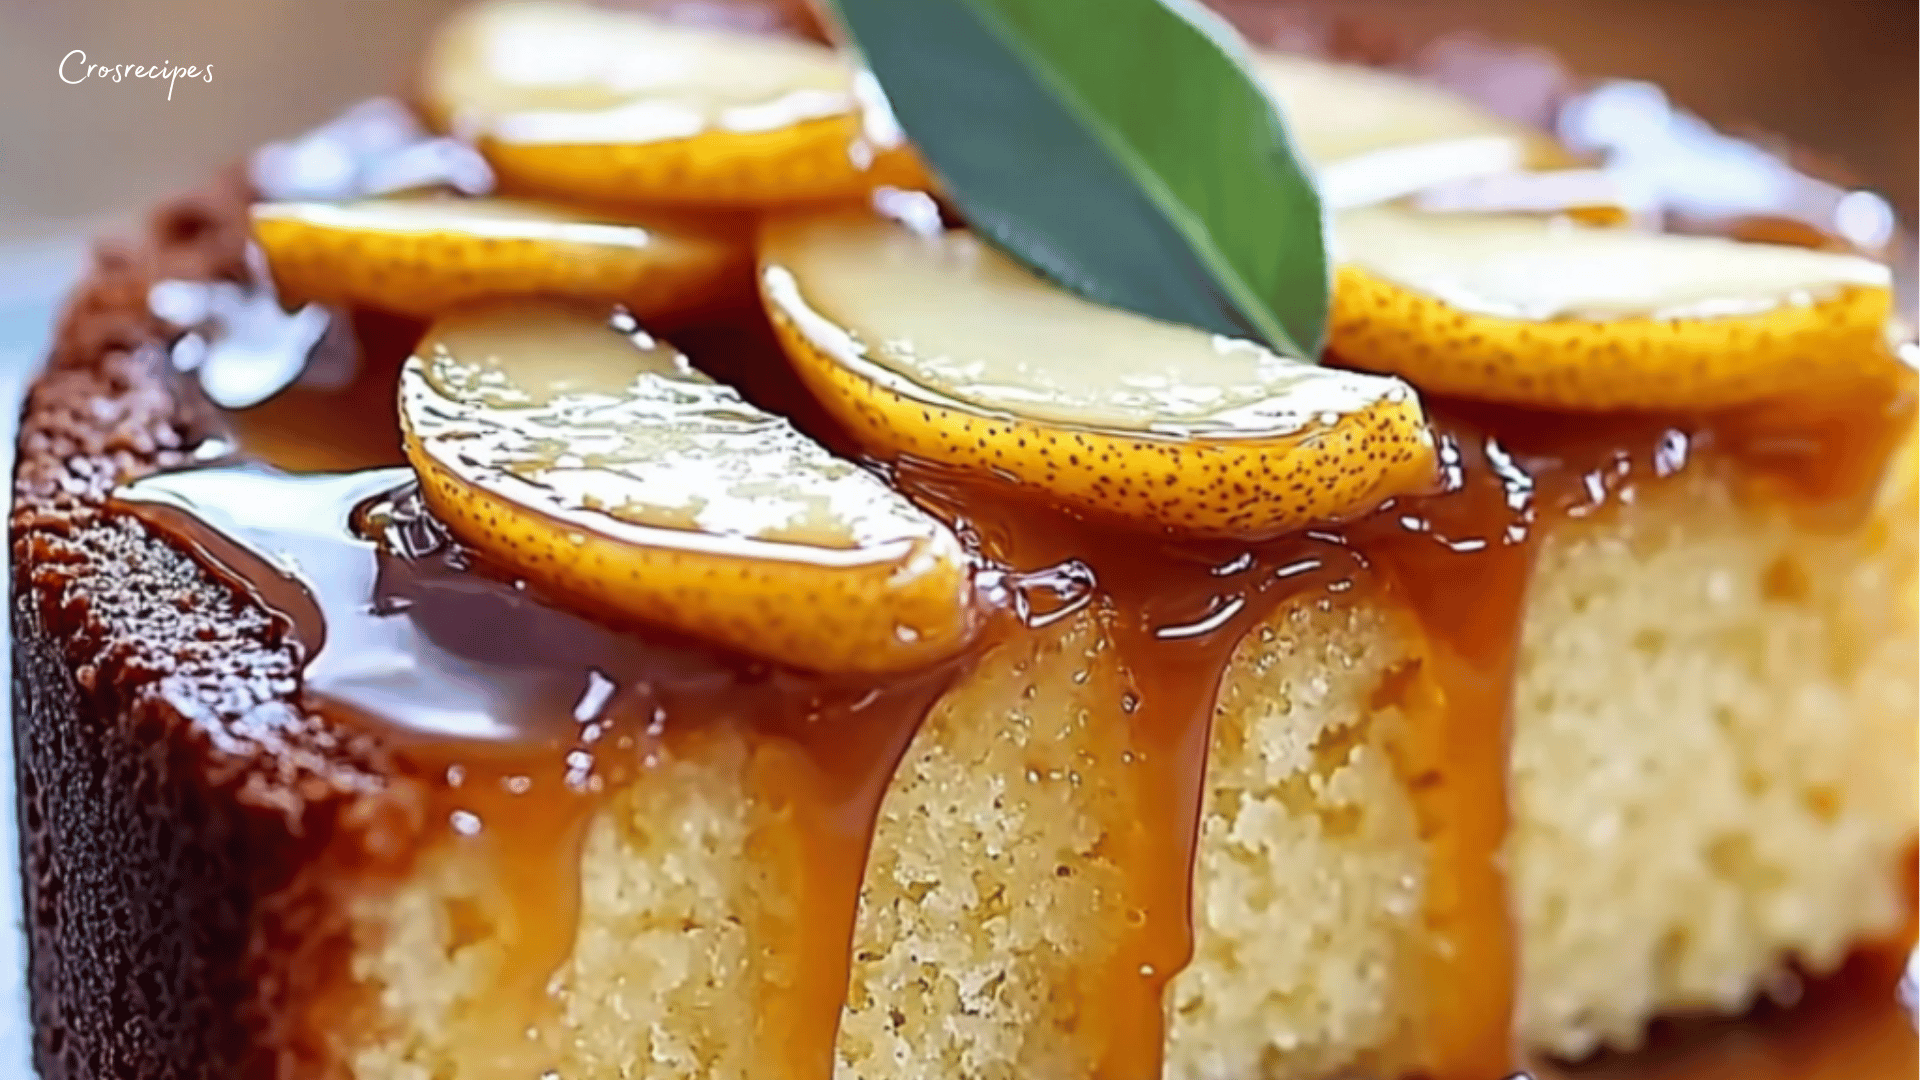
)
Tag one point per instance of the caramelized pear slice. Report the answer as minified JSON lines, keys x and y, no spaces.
{"x":425,"y":256}
{"x":1373,"y":135}
{"x":617,"y":106}
{"x":1549,"y":313}
{"x":934,"y":345}
{"x":596,"y":461}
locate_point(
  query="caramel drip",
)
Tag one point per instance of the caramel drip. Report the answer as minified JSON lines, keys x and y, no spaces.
{"x":1176,"y":624}
{"x":547,"y":742}
{"x":1458,"y":564}
{"x":1175,"y":610}
{"x":1179,"y":609}
{"x":818,"y":774}
{"x":1455,"y":564}
{"x":524,"y":718}
{"x":1173,"y":684}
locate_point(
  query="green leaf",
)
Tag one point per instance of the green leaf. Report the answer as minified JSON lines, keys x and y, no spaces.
{"x":1117,"y":147}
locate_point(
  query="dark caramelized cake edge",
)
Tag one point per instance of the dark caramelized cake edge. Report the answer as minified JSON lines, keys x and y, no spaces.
{"x":188,"y":832}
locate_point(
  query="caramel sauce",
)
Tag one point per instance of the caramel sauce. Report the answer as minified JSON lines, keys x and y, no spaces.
{"x":1514,"y":476}
{"x":525,"y":717}
{"x":529,"y":716}
{"x":338,"y":416}
{"x":1456,"y":564}
{"x":1175,"y":610}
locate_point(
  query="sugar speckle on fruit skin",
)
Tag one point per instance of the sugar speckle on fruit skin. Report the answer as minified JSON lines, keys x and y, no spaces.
{"x":424,"y":256}
{"x":1594,"y":320}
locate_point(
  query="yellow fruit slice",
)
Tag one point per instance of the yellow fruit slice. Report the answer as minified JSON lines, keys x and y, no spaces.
{"x":1373,"y":136}
{"x":1549,"y":313}
{"x":932,"y":344}
{"x":425,"y":256}
{"x":595,"y":460}
{"x":617,"y":106}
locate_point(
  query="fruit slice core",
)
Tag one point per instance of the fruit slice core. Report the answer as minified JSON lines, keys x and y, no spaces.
{"x":424,"y":256}
{"x":933,"y":344}
{"x":1550,"y":313}
{"x":618,"y":105}
{"x":597,"y":460}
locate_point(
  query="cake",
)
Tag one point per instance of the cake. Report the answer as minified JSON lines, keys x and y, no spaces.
{"x":342,"y":756}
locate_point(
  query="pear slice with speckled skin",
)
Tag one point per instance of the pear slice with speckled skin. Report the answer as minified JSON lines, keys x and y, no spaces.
{"x":1374,"y":135}
{"x":612,"y":106}
{"x":425,"y":256}
{"x":595,"y":460}
{"x":930,"y":343}
{"x":1545,"y":313}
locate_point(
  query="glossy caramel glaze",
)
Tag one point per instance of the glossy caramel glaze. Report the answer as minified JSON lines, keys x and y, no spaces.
{"x":1456,"y":564}
{"x":533,"y":714}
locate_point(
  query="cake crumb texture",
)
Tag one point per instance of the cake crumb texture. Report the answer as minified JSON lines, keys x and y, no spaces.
{"x":985,"y":894}
{"x":1713,"y":774}
{"x":662,"y":980}
{"x":1714,"y":760}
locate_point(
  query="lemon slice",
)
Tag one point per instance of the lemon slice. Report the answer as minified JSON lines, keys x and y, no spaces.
{"x":1550,"y":313}
{"x":617,"y":106}
{"x":425,"y":256}
{"x":1373,"y":135}
{"x":595,"y":460}
{"x":934,"y":345}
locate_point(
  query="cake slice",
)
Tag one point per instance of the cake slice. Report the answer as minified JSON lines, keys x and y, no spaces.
{"x":1615,"y":724}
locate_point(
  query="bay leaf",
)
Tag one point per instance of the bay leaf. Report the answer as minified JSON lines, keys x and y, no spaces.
{"x":1120,"y":148}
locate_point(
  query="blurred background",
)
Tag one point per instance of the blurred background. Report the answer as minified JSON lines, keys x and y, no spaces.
{"x":1837,"y":77}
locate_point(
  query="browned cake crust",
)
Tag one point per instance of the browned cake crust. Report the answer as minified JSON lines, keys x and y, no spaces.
{"x":185,"y":827}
